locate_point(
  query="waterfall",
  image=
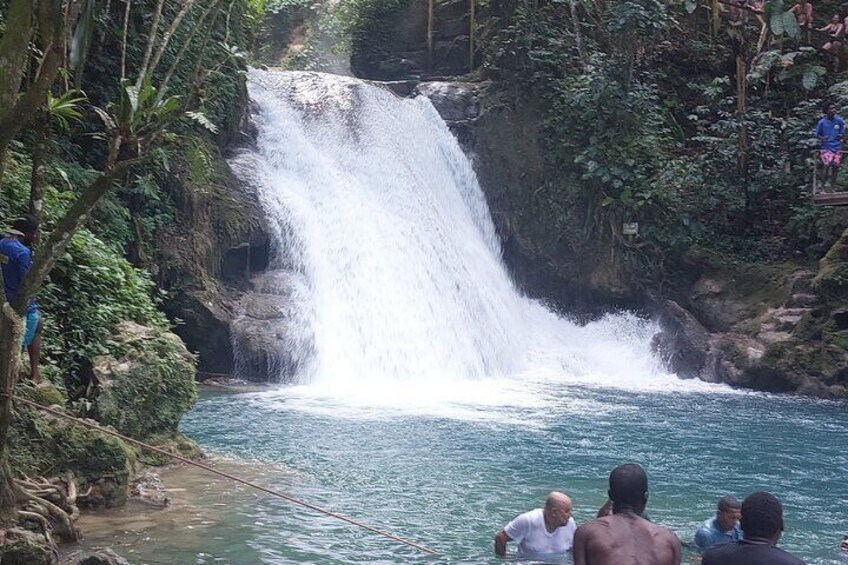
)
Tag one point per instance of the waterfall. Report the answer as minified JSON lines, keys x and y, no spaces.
{"x":387,"y":265}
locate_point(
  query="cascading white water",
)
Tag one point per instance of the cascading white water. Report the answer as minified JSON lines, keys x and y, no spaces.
{"x":380,"y":218}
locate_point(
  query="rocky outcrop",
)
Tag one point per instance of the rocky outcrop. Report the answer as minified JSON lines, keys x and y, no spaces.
{"x":267,"y":332}
{"x":458,"y":105}
{"x":104,"y":557}
{"x":205,"y":260}
{"x":23,"y":547}
{"x":145,"y":392}
{"x":758,"y":328}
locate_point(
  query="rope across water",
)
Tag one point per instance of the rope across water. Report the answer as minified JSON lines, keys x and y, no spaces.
{"x":245,"y":482}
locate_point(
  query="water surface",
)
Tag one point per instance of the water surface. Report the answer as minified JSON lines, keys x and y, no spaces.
{"x":450,"y":477}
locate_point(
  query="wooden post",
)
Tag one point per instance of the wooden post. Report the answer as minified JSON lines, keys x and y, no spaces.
{"x":430,"y":13}
{"x":471,"y":36}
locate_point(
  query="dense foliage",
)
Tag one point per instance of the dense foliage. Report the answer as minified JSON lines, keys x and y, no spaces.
{"x":675,"y":117}
{"x":197,"y":86}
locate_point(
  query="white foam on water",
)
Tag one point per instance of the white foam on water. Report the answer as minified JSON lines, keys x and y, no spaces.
{"x":407,"y":303}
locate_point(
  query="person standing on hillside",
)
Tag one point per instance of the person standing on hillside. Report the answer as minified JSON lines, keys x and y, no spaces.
{"x":625,"y":536}
{"x":803,"y":12}
{"x":544,"y":531}
{"x":762,"y":524}
{"x":15,"y":261}
{"x":723,"y":527}
{"x":830,"y":131}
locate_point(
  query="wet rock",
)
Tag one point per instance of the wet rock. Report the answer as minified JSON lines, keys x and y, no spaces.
{"x":715,"y":305}
{"x":22,"y":547}
{"x":104,"y":557}
{"x":684,"y":343}
{"x":145,"y":392}
{"x":268,"y":334}
{"x":455,"y":101}
{"x":731,"y":357}
{"x":148,"y":488}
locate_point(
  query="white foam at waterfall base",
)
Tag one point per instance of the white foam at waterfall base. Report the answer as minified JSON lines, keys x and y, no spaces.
{"x":407,"y":300}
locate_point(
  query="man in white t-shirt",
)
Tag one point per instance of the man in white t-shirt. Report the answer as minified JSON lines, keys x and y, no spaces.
{"x":544,"y":531}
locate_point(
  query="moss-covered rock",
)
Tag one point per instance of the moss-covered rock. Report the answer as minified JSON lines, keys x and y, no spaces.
{"x":46,"y":445}
{"x":46,"y":394}
{"x":147,"y":390}
{"x":832,"y":278}
{"x":22,"y":547}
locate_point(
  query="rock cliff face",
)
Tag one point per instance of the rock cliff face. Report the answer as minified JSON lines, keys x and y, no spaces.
{"x":206,"y":258}
{"x":780,"y":327}
{"x":394,"y":43}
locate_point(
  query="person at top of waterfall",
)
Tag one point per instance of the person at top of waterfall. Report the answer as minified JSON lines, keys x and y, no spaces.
{"x":803,"y":11}
{"x":624,"y":536}
{"x":830,"y":131}
{"x":543,"y":531}
{"x":843,"y":549}
{"x":15,"y":261}
{"x":835,"y":30}
{"x":723,"y":527}
{"x":762,"y":525}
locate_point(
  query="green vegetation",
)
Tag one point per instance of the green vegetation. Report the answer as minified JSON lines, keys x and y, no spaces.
{"x":107,"y":109}
{"x":645,"y":121}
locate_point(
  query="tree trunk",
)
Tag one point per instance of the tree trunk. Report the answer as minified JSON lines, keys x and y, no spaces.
{"x":39,"y":161}
{"x":578,"y":36}
{"x":430,"y":15}
{"x":14,"y":52}
{"x":11,"y":333}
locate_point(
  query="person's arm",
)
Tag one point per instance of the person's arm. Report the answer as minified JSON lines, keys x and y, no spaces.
{"x":604,"y":510}
{"x":819,"y":133}
{"x":701,"y":540}
{"x":675,"y":548}
{"x":580,"y":551}
{"x":500,"y":543}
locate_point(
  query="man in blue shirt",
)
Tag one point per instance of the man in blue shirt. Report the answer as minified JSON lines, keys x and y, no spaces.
{"x":830,"y":131}
{"x":762,"y":522}
{"x":724,"y":528}
{"x":15,"y":261}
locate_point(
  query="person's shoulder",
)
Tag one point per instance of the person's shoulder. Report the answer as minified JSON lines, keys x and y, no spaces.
{"x":13,"y":247}
{"x":528,"y":516}
{"x":722,"y":549}
{"x":783,"y":557}
{"x":718,"y":554}
{"x":709,"y":524}
{"x":662,"y":531}
{"x":597,"y":524}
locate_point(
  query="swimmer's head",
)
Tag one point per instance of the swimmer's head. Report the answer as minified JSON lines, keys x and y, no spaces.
{"x":762,"y":516}
{"x":628,"y":487}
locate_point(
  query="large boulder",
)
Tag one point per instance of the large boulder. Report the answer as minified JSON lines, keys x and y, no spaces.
{"x":145,"y":391}
{"x":684,"y":344}
{"x":455,"y":101}
{"x":268,"y":334}
{"x":46,"y":445}
{"x":22,"y":547}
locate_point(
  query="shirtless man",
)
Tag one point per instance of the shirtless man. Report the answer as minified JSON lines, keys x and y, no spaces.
{"x":625,"y":538}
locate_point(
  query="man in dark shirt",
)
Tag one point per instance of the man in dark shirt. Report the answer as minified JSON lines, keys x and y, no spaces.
{"x":762,"y":525}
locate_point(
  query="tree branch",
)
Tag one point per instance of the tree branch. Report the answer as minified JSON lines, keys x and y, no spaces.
{"x":61,"y":235}
{"x":166,"y":39}
{"x":151,"y":39}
